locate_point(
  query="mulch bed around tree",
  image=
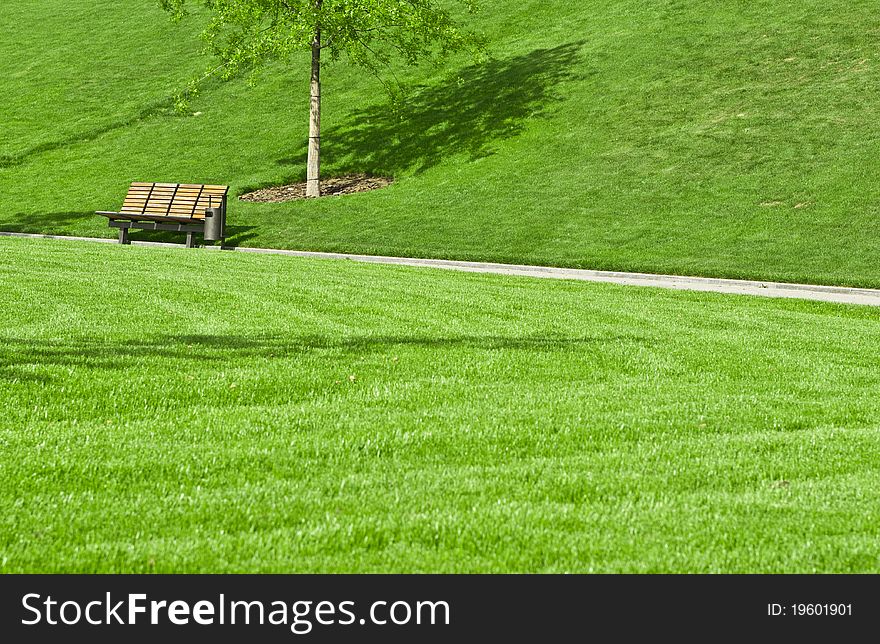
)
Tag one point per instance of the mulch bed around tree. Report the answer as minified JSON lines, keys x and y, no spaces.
{"x":332,"y":186}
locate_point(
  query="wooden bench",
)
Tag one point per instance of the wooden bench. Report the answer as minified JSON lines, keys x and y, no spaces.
{"x":179,"y":207}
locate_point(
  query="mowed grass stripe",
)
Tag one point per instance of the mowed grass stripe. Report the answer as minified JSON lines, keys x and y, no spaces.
{"x":184,"y":411}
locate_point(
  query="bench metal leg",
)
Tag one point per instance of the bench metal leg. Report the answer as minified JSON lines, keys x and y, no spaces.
{"x":123,"y":236}
{"x":189,"y":240}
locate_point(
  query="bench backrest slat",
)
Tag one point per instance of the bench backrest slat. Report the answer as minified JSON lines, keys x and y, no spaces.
{"x":173,"y":199}
{"x":201,"y":189}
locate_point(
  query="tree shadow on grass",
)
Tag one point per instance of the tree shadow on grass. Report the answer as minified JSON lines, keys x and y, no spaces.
{"x":45,"y":223}
{"x":49,"y":223}
{"x":483,"y":105}
{"x":16,"y":356}
{"x":235,"y":236}
{"x":151,"y":109}
{"x":163,"y":107}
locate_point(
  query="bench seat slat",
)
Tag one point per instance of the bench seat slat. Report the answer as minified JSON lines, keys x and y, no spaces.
{"x":163,"y":211}
{"x":148,"y":217}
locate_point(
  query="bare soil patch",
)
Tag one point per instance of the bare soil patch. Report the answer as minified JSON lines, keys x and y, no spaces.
{"x":330,"y":187}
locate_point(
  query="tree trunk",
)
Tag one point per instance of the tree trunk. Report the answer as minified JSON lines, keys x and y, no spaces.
{"x":313,"y":172}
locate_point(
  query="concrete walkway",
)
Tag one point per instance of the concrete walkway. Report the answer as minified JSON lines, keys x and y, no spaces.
{"x":838,"y":294}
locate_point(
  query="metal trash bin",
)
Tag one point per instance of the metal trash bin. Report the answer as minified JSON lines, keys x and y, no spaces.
{"x":215,"y":224}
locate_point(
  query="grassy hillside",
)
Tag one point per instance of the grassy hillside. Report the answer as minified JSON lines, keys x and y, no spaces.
{"x":723,"y":138}
{"x":265,"y":413}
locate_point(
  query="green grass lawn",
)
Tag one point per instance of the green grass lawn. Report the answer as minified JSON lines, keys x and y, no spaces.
{"x":725,"y":138}
{"x":189,"y":411}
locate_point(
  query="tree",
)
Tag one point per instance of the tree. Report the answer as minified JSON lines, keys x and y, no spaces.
{"x":247,"y":34}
